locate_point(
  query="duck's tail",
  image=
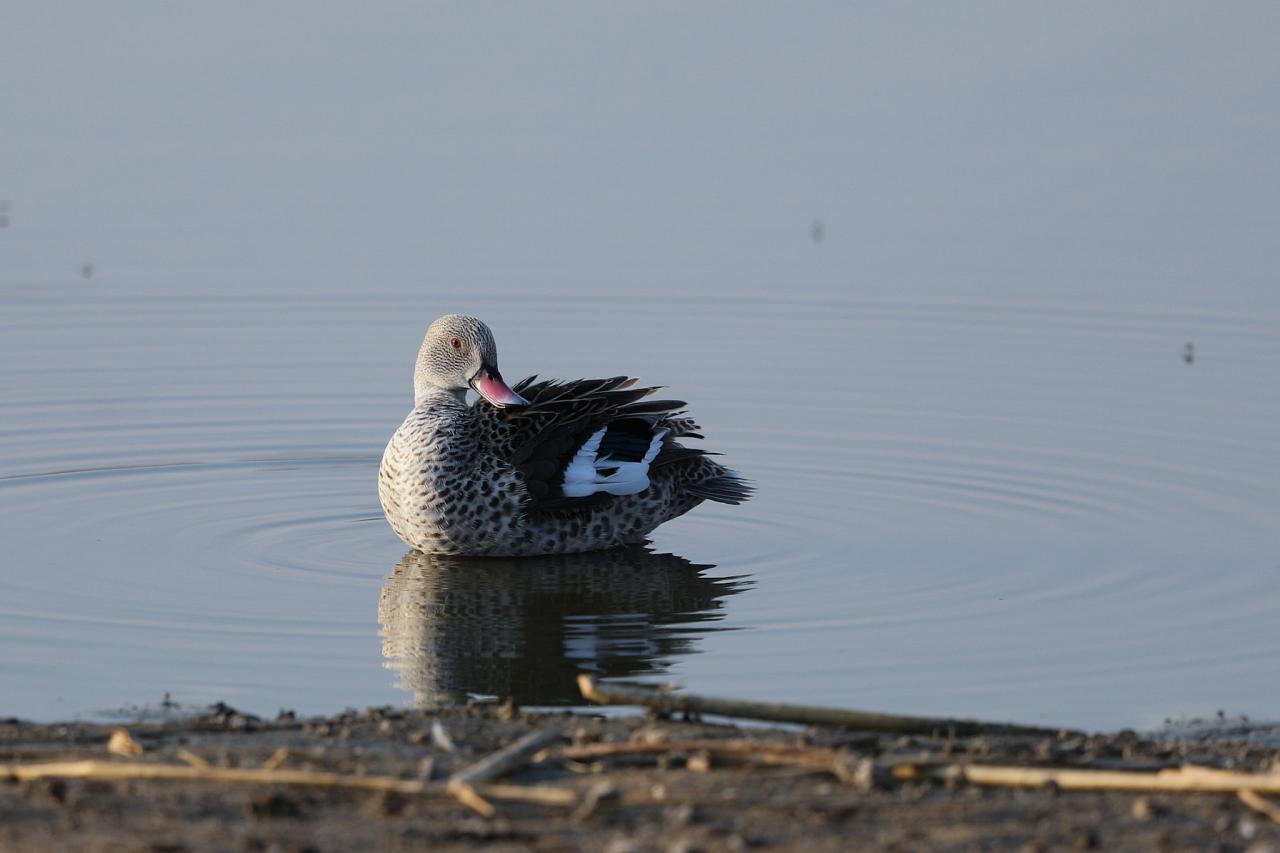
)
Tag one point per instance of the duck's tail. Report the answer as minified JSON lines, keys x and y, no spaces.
{"x":726,"y":488}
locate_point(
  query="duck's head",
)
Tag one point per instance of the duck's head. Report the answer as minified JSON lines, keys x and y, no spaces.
{"x":459,"y":353}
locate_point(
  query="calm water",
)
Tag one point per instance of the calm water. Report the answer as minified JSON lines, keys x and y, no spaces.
{"x":929,"y":282}
{"x":1019,"y":511}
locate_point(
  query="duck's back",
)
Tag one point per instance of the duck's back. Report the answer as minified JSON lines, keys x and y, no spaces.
{"x":586,"y":465}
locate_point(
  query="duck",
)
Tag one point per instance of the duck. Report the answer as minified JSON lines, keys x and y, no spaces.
{"x":540,"y":467}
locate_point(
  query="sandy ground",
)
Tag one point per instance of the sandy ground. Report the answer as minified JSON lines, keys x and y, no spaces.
{"x":679,"y":801}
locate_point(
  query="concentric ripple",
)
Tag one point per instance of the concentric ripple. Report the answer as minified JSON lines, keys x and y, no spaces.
{"x":1033,"y":511}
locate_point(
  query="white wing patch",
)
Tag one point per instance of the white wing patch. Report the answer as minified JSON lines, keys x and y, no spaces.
{"x":584,"y":475}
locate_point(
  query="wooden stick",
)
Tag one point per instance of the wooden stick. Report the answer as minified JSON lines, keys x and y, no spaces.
{"x":597,"y":793}
{"x":509,"y":758}
{"x":768,"y":753}
{"x":786,"y":713}
{"x":542,"y":795}
{"x":280,"y":756}
{"x":1255,"y":801}
{"x":727,"y":747}
{"x":193,"y":759}
{"x":462,"y":784}
{"x":838,"y":763}
{"x":1188,"y":779}
{"x":112,"y":771}
{"x":466,"y":794}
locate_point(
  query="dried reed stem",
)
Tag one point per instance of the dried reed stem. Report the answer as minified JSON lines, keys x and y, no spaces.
{"x":111,"y":770}
{"x":1257,"y":802}
{"x":786,"y":713}
{"x":1189,"y":779}
{"x":463,"y":784}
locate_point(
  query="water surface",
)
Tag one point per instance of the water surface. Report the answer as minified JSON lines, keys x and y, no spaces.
{"x":1023,"y":511}
{"x":985,"y":305}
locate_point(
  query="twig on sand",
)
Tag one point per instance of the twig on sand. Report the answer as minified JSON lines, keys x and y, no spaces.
{"x":193,"y":759}
{"x":280,"y":756}
{"x":542,"y":795}
{"x":839,"y":763}
{"x":598,"y":793}
{"x":1257,"y":802}
{"x":786,"y":713}
{"x":463,"y":784}
{"x":111,"y":771}
{"x":1188,"y":779}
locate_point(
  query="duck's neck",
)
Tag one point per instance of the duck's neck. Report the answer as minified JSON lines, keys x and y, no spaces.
{"x":432,"y":397}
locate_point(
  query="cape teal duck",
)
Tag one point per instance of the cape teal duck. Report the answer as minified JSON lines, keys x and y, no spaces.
{"x":539,"y":468}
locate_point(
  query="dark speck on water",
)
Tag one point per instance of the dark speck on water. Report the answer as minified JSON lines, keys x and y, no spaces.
{"x":1189,"y":353}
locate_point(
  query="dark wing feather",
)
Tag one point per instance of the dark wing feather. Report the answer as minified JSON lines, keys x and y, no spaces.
{"x":726,"y":489}
{"x":540,"y":439}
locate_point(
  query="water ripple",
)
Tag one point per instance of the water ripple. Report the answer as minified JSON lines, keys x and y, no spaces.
{"x":958,"y":502}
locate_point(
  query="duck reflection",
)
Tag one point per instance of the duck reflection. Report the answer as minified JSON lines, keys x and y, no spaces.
{"x":525,"y":628}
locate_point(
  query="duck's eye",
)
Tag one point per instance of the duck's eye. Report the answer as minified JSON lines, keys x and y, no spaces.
{"x":457,"y":344}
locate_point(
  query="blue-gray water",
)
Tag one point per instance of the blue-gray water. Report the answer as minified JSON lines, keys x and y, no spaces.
{"x":927,"y":277}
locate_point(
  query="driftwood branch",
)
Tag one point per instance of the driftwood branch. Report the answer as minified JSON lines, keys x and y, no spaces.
{"x":193,"y":759}
{"x":111,"y":771}
{"x":786,"y":713}
{"x":749,"y":748}
{"x":280,"y":756}
{"x":1188,"y":779}
{"x":463,"y":784}
{"x":839,"y":763}
{"x":1260,"y":804}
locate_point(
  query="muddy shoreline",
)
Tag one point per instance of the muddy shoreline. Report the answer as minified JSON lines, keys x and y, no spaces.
{"x":665,"y":800}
